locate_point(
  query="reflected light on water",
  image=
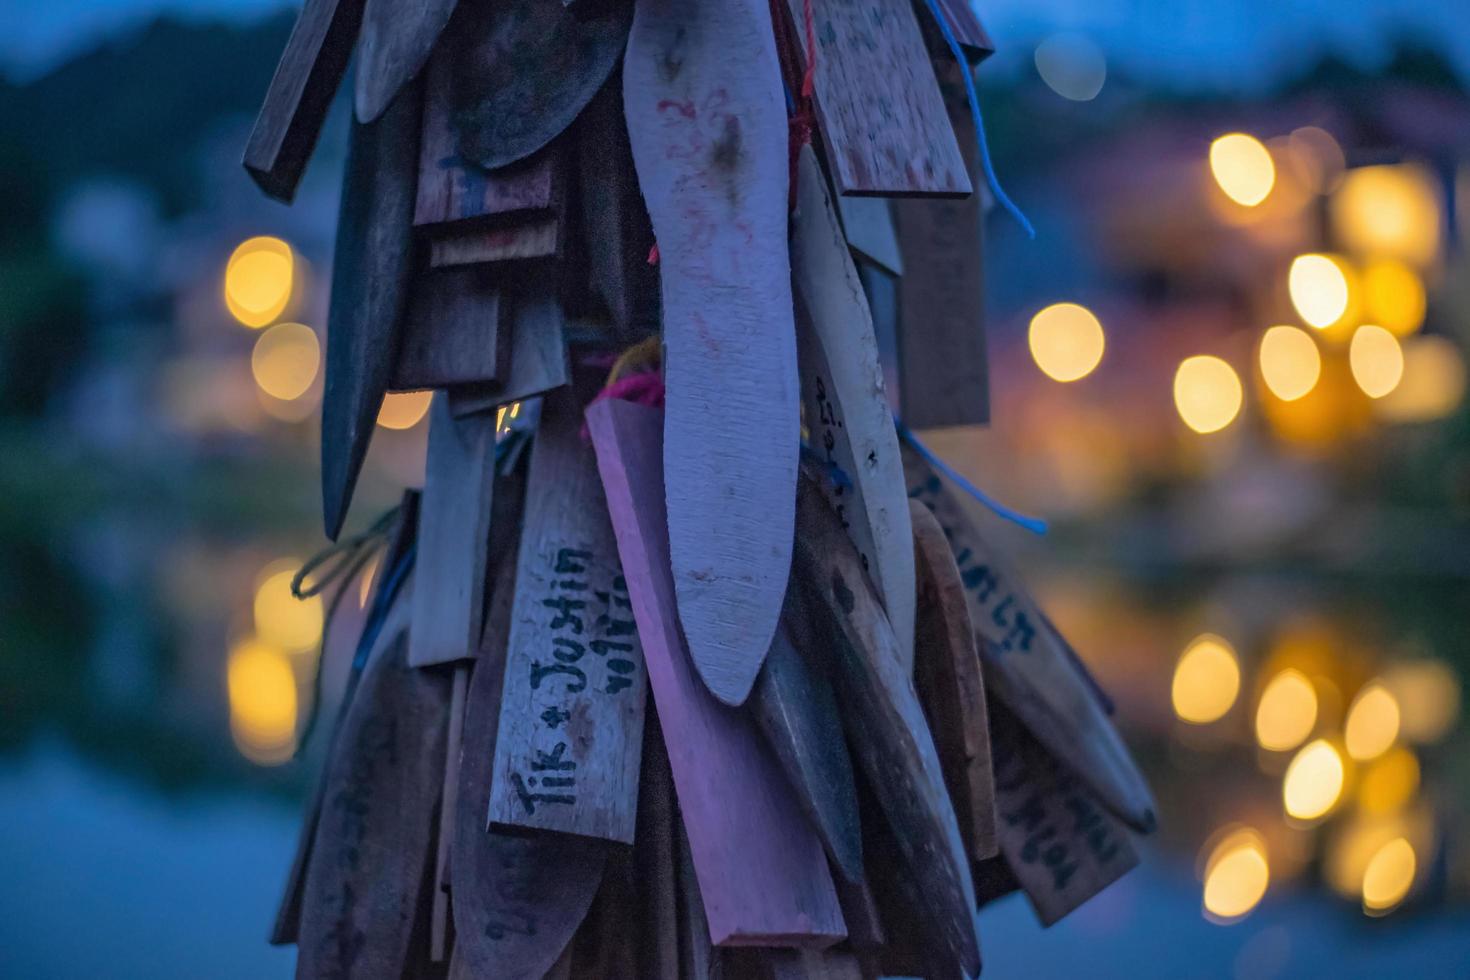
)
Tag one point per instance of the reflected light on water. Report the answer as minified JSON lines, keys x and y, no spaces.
{"x":1319,"y":289}
{"x":1372,"y":723}
{"x":1287,"y":711}
{"x":1314,"y":781}
{"x":1207,"y":393}
{"x":1393,"y":296}
{"x":291,"y":624}
{"x":285,"y":360}
{"x":1206,"y":680}
{"x":1066,"y":341}
{"x":1236,"y":875}
{"x":1388,"y":877}
{"x":258,"y":280}
{"x":262,"y":693}
{"x":1377,"y":360}
{"x":1290,"y":362}
{"x":1242,"y":167}
{"x":403,"y":410}
{"x":1433,"y":385}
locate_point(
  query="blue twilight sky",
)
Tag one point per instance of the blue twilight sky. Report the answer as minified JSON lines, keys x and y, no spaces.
{"x":1196,"y":43}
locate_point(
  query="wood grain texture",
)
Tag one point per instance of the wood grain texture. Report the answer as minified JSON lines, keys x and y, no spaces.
{"x":950,"y":687}
{"x":868,"y":224}
{"x":397,"y":36}
{"x":300,"y":93}
{"x":375,"y":839}
{"x":537,"y":238}
{"x":518,"y":899}
{"x":812,"y":964}
{"x":1060,"y":844}
{"x":1027,"y":668}
{"x":448,"y":804}
{"x":974,"y":41}
{"x":886,"y":725}
{"x":762,"y":873}
{"x":607,"y":944}
{"x":454,"y":332}
{"x":847,"y":410}
{"x":943,"y":365}
{"x":878,"y":107}
{"x":370,"y":279}
{"x":656,"y":861}
{"x":860,"y":911}
{"x":524,"y":69}
{"x":571,"y":723}
{"x":538,"y":354}
{"x":707,"y":121}
{"x":696,"y":953}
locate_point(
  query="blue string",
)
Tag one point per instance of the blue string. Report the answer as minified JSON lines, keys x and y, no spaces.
{"x":381,"y":604}
{"x":974,"y":99}
{"x":1033,"y":524}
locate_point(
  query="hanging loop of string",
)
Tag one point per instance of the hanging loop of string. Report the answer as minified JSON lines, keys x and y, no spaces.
{"x":344,"y":558}
{"x":1033,"y":524}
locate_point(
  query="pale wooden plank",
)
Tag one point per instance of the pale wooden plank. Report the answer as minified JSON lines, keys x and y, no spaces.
{"x":538,"y":355}
{"x":448,"y":804}
{"x":868,"y":224}
{"x":397,"y":36}
{"x":847,"y":410}
{"x":1062,"y":846}
{"x":762,"y":873}
{"x":537,"y":238}
{"x":950,"y":686}
{"x":707,"y":121}
{"x":886,"y":725}
{"x":300,"y":93}
{"x":878,"y":106}
{"x":571,"y":725}
{"x":1027,"y":668}
{"x":943,"y":365}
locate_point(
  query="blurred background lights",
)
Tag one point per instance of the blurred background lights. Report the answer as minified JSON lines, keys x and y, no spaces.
{"x":1317,"y":148}
{"x":1391,"y":211}
{"x":1393,"y":296}
{"x":1287,"y":711}
{"x":281,"y":619}
{"x":1236,"y":875}
{"x":402,"y":410}
{"x":1428,"y":693}
{"x":1290,"y":362}
{"x":1066,"y":341}
{"x":1433,"y":385}
{"x":285,"y":360}
{"x":1372,"y":723}
{"x":1207,"y":393}
{"x":262,"y":695}
{"x":1319,"y":289}
{"x":1242,"y":167}
{"x":1206,"y":680}
{"x":1377,"y":360}
{"x":1072,"y":66}
{"x":1388,"y":782}
{"x":1314,"y":781}
{"x":258,"y":280}
{"x":1388,"y":877}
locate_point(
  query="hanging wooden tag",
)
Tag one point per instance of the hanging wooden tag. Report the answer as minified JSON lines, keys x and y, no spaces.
{"x":300,"y":94}
{"x":537,"y":238}
{"x":571,"y":726}
{"x":1025,"y":666}
{"x":375,"y":838}
{"x":860,"y":912}
{"x":943,"y":366}
{"x":454,"y":332}
{"x":847,"y":413}
{"x":973,"y":40}
{"x":448,"y":803}
{"x":761,"y":869}
{"x":947,"y":677}
{"x":396,"y":40}
{"x":878,"y":107}
{"x":370,"y":276}
{"x":868,"y":224}
{"x":886,"y":725}
{"x":709,"y":139}
{"x":1062,"y":846}
{"x":538,"y":356}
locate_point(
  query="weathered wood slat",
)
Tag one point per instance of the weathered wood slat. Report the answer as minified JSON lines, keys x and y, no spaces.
{"x":300,"y":94}
{"x":538,"y":238}
{"x":847,"y":411}
{"x":448,"y":803}
{"x":538,"y":355}
{"x":812,"y":964}
{"x":571,"y":725}
{"x":886,"y":725}
{"x":397,"y":37}
{"x":1027,"y":668}
{"x":974,"y":42}
{"x":606,"y":945}
{"x":878,"y":107}
{"x":761,"y":869}
{"x":370,"y":276}
{"x":868,"y":224}
{"x":950,"y":687}
{"x":696,"y":953}
{"x":454,"y":332}
{"x":707,"y":121}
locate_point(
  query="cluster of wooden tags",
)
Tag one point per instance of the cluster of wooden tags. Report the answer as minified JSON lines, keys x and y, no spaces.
{"x":861,"y":727}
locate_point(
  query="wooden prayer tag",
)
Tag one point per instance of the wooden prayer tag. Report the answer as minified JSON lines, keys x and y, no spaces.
{"x":538,"y":355}
{"x":300,"y":94}
{"x":707,"y":122}
{"x":974,"y":42}
{"x":370,"y":276}
{"x":396,"y":40}
{"x":454,"y":537}
{"x":762,"y":873}
{"x":454,"y":332}
{"x":1062,"y":846}
{"x":847,"y":412}
{"x":886,"y":725}
{"x":878,"y":107}
{"x":1027,"y":668}
{"x":868,"y":224}
{"x":571,"y":722}
{"x":947,"y":677}
{"x":533,"y":239}
{"x":944,"y":378}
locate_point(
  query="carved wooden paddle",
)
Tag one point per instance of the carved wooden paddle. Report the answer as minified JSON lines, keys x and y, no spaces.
{"x":707,"y":121}
{"x":397,"y":36}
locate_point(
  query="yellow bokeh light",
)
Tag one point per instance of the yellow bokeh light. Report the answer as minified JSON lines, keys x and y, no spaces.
{"x":1206,"y":680}
{"x":1393,"y":296}
{"x":1389,"y":782}
{"x":1372,"y":723}
{"x":1290,"y":362}
{"x":1314,"y":781}
{"x":1286,"y":712}
{"x":1433,"y":385}
{"x":1377,"y":360}
{"x":263,"y":702}
{"x":1066,"y":341}
{"x":281,"y":619}
{"x":1207,"y":393}
{"x":1391,"y":211}
{"x":285,"y":360}
{"x":1236,"y":876}
{"x":1242,"y":167}
{"x":403,"y":410}
{"x":258,"y":280}
{"x":1319,"y":289}
{"x":1388,"y":877}
{"x":1428,"y":693}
